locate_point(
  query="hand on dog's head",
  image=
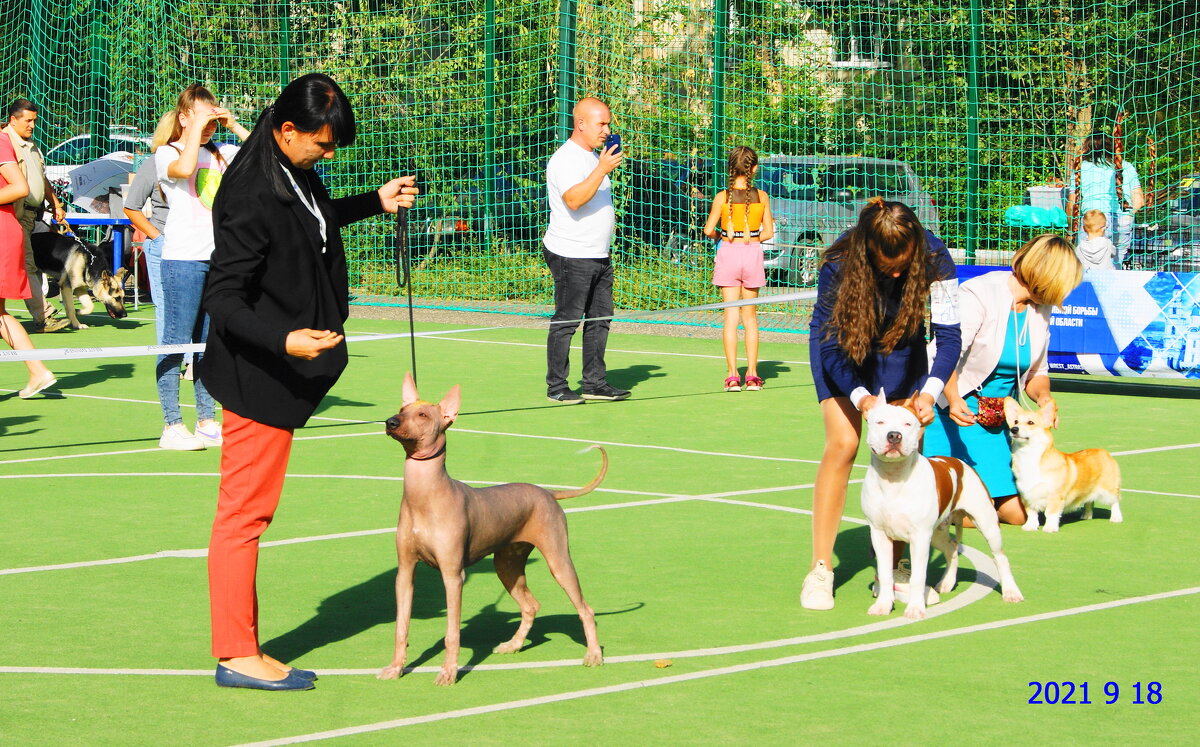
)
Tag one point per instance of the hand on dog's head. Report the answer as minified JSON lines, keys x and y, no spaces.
{"x":893,"y":429}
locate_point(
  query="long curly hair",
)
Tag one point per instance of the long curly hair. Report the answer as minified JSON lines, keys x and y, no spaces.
{"x":887,"y":239}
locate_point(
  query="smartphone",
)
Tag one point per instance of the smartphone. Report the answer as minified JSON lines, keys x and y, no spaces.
{"x":613,"y":139}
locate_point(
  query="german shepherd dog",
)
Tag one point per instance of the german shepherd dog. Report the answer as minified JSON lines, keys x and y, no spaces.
{"x":80,"y":269}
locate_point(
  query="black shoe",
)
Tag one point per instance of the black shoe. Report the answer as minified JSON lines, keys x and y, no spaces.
{"x":606,"y":392}
{"x":226,"y":677}
{"x":564,"y":397}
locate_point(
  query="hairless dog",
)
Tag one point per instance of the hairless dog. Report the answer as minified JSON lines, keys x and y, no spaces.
{"x":450,"y":525}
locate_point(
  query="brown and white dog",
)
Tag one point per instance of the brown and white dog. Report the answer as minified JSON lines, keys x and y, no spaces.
{"x":79,"y":269}
{"x":1051,"y":481}
{"x":911,"y":498}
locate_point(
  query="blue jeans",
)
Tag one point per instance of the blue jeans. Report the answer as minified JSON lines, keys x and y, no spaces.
{"x":183,"y":322}
{"x":153,"y":250}
{"x":582,"y":288}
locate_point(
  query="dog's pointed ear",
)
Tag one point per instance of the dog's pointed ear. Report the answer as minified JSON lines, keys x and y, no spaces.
{"x":409,"y":390}
{"x":1011,"y":407}
{"x":121,"y":273}
{"x":911,"y":402}
{"x":450,"y":403}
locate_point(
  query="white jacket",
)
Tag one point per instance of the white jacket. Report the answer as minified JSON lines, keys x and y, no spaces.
{"x":984,"y":303}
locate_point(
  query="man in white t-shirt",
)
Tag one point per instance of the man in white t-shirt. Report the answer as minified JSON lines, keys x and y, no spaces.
{"x":576,"y":249}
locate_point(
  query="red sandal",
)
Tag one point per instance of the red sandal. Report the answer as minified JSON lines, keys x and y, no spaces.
{"x":733,"y":384}
{"x":753,"y":384}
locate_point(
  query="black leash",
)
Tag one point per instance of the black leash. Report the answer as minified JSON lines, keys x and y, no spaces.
{"x":404,"y":278}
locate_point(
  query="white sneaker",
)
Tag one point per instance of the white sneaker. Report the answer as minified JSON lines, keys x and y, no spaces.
{"x":901,"y":577}
{"x":817,"y":591}
{"x":187,"y":373}
{"x":209,"y":435}
{"x":178,"y":438}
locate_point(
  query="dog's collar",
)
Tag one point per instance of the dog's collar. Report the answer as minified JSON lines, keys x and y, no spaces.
{"x":434,"y":455}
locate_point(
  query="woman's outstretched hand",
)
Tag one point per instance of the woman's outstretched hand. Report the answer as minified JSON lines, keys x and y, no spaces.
{"x":310,"y":343}
{"x":399,"y":193}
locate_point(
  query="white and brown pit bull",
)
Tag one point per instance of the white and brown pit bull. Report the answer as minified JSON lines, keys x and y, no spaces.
{"x":913,"y":499}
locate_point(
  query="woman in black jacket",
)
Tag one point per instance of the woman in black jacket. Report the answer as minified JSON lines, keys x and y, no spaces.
{"x":277,"y":297}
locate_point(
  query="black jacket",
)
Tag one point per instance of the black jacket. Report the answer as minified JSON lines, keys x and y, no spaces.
{"x":269,"y":277}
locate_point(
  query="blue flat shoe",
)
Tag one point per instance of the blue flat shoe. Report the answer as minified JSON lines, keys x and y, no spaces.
{"x":226,"y":677}
{"x":304,"y":674}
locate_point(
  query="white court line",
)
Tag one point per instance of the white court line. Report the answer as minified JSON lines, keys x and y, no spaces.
{"x":719,"y":672}
{"x":1159,"y":492}
{"x":1155,"y":449}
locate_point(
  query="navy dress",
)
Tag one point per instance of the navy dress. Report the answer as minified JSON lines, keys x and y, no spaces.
{"x":900,"y":372}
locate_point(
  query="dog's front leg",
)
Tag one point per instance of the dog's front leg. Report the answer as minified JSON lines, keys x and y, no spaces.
{"x":883,"y":569}
{"x":1054,"y":509}
{"x":68,"y":301}
{"x":404,"y":598}
{"x":453,"y":579}
{"x":1031,"y":518}
{"x":918,"y":550}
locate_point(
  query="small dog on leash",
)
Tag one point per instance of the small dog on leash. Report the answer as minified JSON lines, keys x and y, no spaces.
{"x":1051,"y":481}
{"x":450,"y":525}
{"x":79,"y":269}
{"x":911,"y":498}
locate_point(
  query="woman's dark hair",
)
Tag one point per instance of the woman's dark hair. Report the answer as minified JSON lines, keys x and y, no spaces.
{"x":888,"y":238}
{"x":309,"y":102}
{"x":1098,"y":149}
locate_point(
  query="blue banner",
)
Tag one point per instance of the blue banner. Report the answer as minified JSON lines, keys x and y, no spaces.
{"x":1125,"y":323}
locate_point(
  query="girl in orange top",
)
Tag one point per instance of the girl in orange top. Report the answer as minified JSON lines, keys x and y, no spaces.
{"x":744,"y":214}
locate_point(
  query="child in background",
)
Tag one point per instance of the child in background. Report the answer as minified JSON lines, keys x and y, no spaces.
{"x":744,"y":213}
{"x":1097,"y":252}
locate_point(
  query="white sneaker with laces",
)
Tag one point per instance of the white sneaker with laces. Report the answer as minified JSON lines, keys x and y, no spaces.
{"x":817,"y":591}
{"x":178,"y":438}
{"x":209,"y":435}
{"x":901,"y":577}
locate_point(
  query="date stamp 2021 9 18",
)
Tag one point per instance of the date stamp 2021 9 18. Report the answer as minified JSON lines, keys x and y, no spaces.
{"x":1078,"y":693}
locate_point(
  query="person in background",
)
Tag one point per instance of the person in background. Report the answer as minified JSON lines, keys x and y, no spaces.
{"x":868,"y":334}
{"x":1100,"y":189}
{"x":14,"y":283}
{"x":744,"y":214}
{"x":1096,"y":252}
{"x":576,"y":249}
{"x":278,"y":294}
{"x":190,"y":168}
{"x":22,"y":119}
{"x":1005,"y":339}
{"x":145,"y":188}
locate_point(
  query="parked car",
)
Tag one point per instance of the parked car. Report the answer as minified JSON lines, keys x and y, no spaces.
{"x":455,"y":216}
{"x":1183,"y":226}
{"x":814,"y":199}
{"x":75,"y":151}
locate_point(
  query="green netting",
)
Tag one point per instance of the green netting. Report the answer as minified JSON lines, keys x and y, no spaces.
{"x":958,"y":108}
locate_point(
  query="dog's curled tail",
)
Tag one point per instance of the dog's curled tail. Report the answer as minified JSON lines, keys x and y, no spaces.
{"x":562,"y":495}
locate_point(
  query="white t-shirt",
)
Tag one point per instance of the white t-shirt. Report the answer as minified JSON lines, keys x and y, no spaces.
{"x":189,"y":229}
{"x":587,"y":232}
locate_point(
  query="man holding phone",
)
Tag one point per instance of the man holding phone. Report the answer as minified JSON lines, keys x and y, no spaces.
{"x":576,"y":249}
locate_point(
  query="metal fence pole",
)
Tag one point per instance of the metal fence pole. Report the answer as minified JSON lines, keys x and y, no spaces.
{"x":973,"y":133}
{"x":285,"y":43}
{"x":720,"y":34}
{"x":566,"y":67}
{"x":489,"y":121}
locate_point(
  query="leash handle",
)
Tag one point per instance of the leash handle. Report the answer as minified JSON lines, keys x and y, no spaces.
{"x":404,"y":278}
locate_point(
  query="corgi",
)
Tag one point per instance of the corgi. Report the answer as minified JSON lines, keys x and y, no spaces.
{"x":1051,"y":481}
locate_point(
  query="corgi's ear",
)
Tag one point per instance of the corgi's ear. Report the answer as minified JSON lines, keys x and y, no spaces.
{"x":409,"y":390}
{"x":450,"y":404}
{"x":1011,"y":407}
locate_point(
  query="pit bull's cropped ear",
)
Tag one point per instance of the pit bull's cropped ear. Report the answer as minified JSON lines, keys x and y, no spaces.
{"x":450,"y":404}
{"x":409,"y":390}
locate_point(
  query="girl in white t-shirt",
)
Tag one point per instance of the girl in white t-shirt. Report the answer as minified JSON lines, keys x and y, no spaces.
{"x":189,"y":171}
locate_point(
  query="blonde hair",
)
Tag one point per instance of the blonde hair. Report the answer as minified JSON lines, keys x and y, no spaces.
{"x":1094,"y":221}
{"x":163,"y":130}
{"x":1048,"y":267}
{"x":187,"y":101}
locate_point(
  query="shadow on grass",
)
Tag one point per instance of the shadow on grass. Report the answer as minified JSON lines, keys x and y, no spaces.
{"x":373,"y":602}
{"x":7,"y":424}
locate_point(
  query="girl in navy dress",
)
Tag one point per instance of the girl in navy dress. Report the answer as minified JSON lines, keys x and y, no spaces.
{"x":868,"y":333}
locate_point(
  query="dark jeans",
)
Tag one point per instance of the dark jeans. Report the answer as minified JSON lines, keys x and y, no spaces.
{"x":582,"y":289}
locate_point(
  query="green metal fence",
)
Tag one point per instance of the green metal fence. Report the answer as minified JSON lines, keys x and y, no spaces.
{"x":958,"y":106}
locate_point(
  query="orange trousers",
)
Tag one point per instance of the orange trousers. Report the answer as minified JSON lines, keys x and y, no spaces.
{"x":254,"y":460}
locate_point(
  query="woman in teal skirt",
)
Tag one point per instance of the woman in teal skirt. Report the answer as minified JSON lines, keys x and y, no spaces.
{"x":1005,"y":338}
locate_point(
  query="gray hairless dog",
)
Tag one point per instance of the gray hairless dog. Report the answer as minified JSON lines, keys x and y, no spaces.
{"x":450,"y":525}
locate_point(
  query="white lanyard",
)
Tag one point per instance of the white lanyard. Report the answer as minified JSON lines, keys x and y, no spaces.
{"x":312,"y":208}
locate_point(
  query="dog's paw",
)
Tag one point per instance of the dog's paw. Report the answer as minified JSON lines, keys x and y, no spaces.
{"x":79,"y":325}
{"x":1030,"y":527}
{"x":1013,"y":595}
{"x":593,"y":659}
{"x":446,"y":677}
{"x":1050,"y":528}
{"x":946,"y":585}
{"x":509,"y":647}
{"x":882,"y":608}
{"x":913,"y":612}
{"x":390,"y":672}
{"x":1116,"y":519}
